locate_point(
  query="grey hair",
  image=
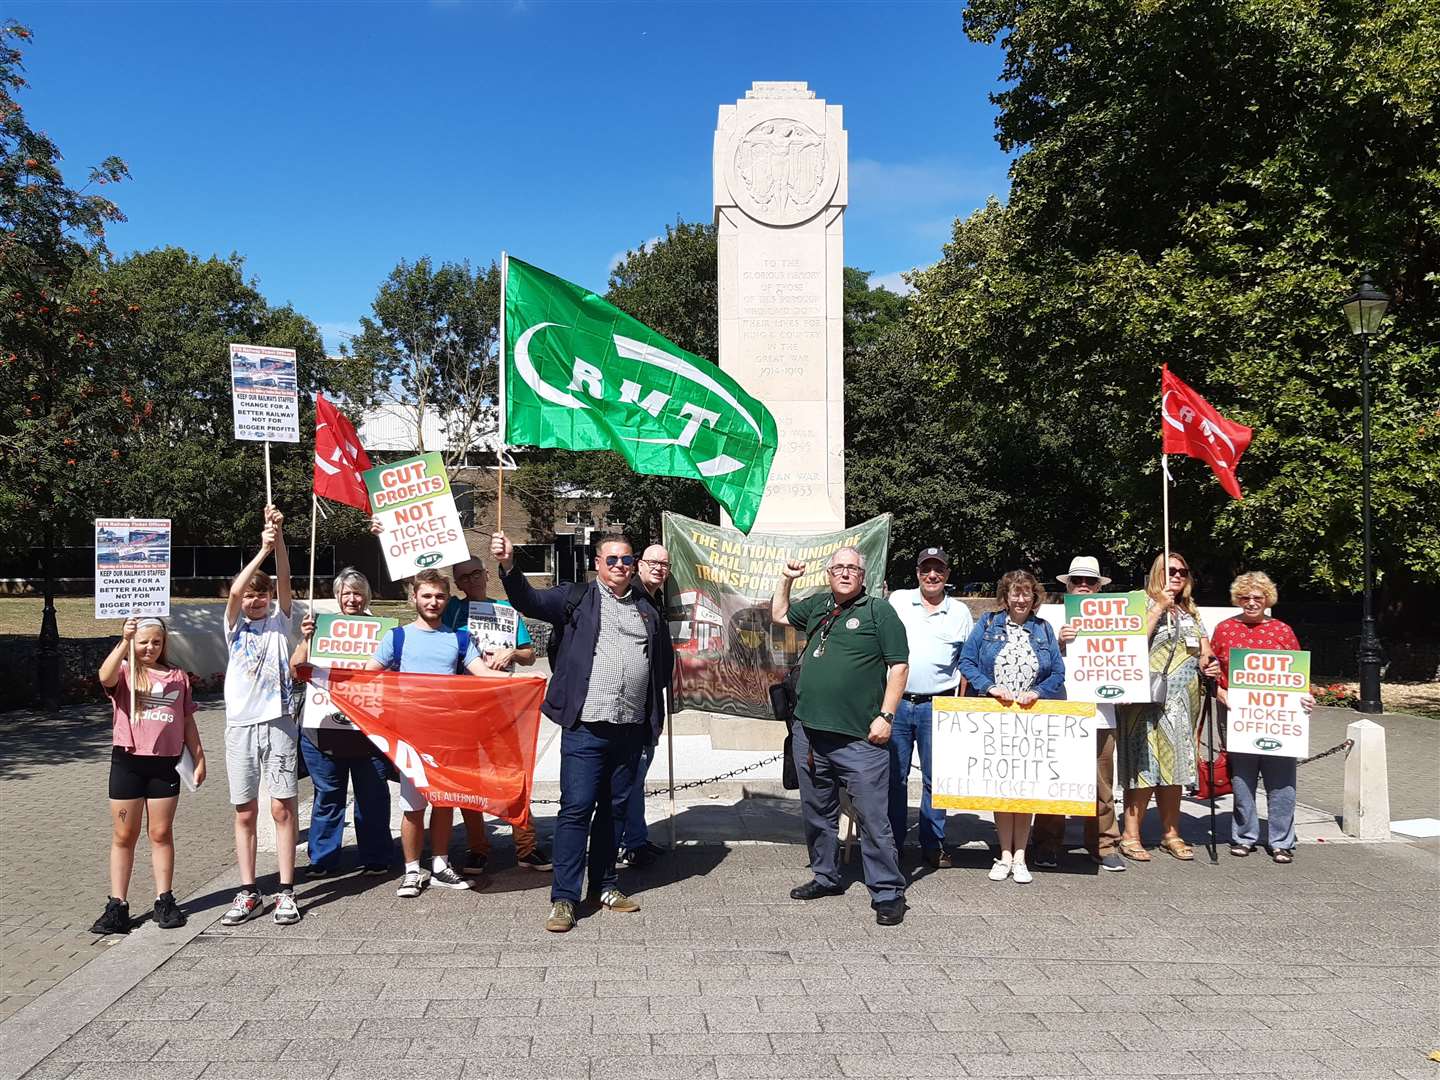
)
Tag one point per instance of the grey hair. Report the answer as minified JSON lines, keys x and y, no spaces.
{"x":356,"y":580}
{"x":854,"y":550}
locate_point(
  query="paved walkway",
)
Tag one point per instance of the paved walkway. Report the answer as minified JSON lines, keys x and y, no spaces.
{"x":1324,"y":968}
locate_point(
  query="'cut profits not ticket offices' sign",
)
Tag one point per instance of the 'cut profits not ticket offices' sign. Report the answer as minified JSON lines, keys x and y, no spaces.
{"x":1035,"y":760}
{"x":132,"y":567}
{"x":422,"y":528}
{"x":264,"y":394}
{"x":1265,"y":715}
{"x":1109,"y":660}
{"x":339,"y":641}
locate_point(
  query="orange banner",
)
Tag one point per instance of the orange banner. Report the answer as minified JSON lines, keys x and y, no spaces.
{"x":463,"y":740}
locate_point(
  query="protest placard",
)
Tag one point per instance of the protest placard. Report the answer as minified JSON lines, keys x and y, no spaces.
{"x":1109,"y":660}
{"x":492,"y":626}
{"x":422,"y":528}
{"x":264,"y":394}
{"x":339,"y":641}
{"x":1035,"y":760}
{"x":728,"y":652}
{"x":132,"y":567}
{"x":1265,"y":715}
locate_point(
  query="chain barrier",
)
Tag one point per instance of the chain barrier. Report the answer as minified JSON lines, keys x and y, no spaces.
{"x":1337,"y":748}
{"x":690,"y":783}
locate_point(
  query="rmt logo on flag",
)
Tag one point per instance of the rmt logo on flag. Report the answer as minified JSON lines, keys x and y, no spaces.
{"x":339,"y":458}
{"x":1190,"y":425}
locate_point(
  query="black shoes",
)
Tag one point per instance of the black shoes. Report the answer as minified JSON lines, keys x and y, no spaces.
{"x":115,"y":920}
{"x":813,"y":890}
{"x":890,"y":912}
{"x":168,"y":915}
{"x":637,"y":857}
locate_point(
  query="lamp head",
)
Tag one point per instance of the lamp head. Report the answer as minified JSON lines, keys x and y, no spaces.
{"x":1365,"y":307}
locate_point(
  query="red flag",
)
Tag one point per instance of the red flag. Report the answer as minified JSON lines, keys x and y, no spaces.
{"x":1190,"y":425}
{"x":462,"y":740}
{"x":339,"y":458}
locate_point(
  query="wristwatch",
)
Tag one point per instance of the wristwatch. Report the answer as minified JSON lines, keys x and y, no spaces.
{"x":888,"y":717}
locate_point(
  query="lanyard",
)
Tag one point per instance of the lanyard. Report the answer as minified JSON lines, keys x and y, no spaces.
{"x":827,"y":624}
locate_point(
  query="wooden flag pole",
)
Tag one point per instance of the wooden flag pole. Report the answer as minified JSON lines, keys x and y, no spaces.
{"x":133,"y":676}
{"x":314,"y":514}
{"x":269,"y":499}
{"x":1165,"y":504}
{"x":500,"y":429}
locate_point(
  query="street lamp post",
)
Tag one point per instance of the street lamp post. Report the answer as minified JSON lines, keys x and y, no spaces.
{"x":1365,"y":308}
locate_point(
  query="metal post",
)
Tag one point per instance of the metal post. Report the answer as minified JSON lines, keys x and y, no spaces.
{"x":49,"y":663}
{"x":1369,"y":652}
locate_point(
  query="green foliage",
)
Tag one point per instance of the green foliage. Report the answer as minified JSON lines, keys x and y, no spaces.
{"x":433,"y":346}
{"x":180,"y":458}
{"x":1200,"y":182}
{"x":59,"y":412}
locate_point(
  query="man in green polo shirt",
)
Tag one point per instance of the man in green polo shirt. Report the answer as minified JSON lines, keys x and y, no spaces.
{"x":852,"y":674}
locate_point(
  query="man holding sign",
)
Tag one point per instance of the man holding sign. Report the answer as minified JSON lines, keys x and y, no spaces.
{"x":1265,"y":684}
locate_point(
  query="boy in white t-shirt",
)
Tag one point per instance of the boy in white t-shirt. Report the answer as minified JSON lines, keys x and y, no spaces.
{"x":260,"y":734}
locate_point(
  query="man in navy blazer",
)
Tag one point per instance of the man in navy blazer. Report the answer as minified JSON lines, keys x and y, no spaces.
{"x":607,"y":692}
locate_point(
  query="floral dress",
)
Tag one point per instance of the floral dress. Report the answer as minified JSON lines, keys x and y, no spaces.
{"x":1016,"y":664}
{"x":1156,"y":742}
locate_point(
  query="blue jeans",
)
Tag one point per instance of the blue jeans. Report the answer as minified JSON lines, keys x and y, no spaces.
{"x":327,"y":813}
{"x":1279,"y":774}
{"x":598,"y":764}
{"x":911,"y":732}
{"x":863,"y":769}
{"x":634,"y":832}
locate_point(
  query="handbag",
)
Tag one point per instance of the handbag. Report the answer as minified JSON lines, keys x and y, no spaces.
{"x":1212,"y":779}
{"x":782,"y":704}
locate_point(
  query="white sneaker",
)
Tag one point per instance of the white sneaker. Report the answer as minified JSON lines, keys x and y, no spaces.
{"x":1000,"y":871}
{"x":1021,"y":873}
{"x":286,"y":910}
{"x":411,"y":885}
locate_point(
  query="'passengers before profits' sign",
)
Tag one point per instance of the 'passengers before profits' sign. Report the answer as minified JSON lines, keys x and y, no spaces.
{"x":264,"y":394}
{"x":1109,"y":660}
{"x":132,"y":567}
{"x":1265,"y":714}
{"x":1035,"y":760}
{"x":413,"y":502}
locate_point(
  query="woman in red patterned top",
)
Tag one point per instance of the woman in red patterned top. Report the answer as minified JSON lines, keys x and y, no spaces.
{"x":1254,"y":594}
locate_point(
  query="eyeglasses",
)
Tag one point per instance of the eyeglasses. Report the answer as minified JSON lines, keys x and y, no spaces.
{"x":657,"y":564}
{"x":1252,"y":600}
{"x":470,"y":574}
{"x":837,"y":571}
{"x":1179,"y":571}
{"x":626,"y":561}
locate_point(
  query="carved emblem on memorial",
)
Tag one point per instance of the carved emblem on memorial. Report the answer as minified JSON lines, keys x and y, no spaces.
{"x":780,"y":171}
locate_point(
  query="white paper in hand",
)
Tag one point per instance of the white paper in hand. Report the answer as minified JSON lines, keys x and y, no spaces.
{"x":186,"y":769}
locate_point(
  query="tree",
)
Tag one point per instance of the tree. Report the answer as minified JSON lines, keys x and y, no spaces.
{"x":1199,"y":183}
{"x":433,"y":344}
{"x":180,"y":458}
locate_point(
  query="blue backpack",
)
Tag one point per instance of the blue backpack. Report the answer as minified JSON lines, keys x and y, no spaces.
{"x":462,"y":639}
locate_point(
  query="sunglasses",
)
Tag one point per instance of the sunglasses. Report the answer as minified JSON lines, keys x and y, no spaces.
{"x":1179,"y":571}
{"x":624,"y":560}
{"x":1076,"y":579}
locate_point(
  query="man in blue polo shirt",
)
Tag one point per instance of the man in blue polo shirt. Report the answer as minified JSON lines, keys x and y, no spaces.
{"x":936,"y":626}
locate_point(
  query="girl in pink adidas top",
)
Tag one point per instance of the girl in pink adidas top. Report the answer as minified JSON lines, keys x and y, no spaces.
{"x":144,"y":755}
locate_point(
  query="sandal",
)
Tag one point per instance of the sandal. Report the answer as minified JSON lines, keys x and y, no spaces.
{"x":1241,"y":850}
{"x":1283,"y":855}
{"x":1134,"y":850}
{"x":1178,"y":848}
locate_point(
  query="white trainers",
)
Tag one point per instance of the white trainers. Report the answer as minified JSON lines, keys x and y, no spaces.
{"x":248,"y":904}
{"x":286,"y":910}
{"x":411,"y":885}
{"x":1000,"y":871}
{"x":1021,"y":873}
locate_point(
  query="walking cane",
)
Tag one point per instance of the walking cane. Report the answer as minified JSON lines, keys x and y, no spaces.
{"x":1208,"y":719}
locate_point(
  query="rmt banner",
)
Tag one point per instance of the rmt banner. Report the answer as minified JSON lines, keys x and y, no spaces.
{"x":1265,"y":715}
{"x":422,"y":528}
{"x":132,"y":567}
{"x":1036,"y":759}
{"x":1109,"y":660}
{"x":727,"y":651}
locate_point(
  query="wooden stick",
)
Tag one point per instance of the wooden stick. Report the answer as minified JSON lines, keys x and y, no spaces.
{"x":133,"y":677}
{"x":314,"y":515}
{"x":269,"y":498}
{"x":1165,"y":506}
{"x":500,"y":383}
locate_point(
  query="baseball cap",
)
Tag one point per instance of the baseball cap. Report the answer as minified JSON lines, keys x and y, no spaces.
{"x":936,"y":553}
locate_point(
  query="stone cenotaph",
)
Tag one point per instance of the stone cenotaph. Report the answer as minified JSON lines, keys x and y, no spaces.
{"x":780,"y":171}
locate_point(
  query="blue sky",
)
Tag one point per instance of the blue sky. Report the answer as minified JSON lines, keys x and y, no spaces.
{"x":326,"y":141}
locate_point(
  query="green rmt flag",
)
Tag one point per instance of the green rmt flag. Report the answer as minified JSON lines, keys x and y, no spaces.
{"x":580,"y":374}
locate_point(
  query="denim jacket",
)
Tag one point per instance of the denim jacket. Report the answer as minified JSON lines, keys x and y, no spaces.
{"x":977,"y":658}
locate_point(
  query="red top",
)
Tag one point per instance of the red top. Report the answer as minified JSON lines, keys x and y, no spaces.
{"x":1234,"y":633}
{"x":164,"y":708}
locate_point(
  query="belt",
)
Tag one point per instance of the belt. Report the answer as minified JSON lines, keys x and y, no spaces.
{"x":924,"y":699}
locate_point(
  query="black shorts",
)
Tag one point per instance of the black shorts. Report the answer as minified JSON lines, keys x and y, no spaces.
{"x":139,"y":776}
